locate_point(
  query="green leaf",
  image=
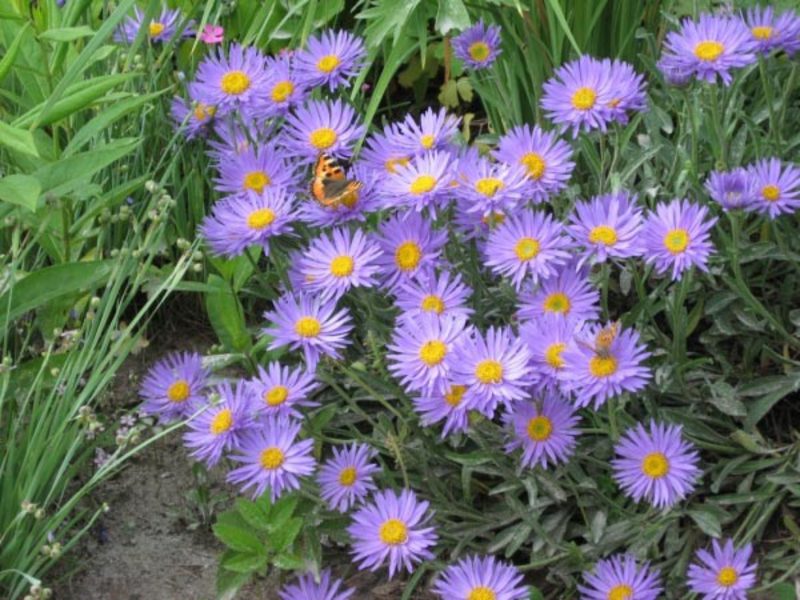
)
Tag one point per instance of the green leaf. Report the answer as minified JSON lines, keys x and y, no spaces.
{"x":282,"y":510}
{"x":464,"y":88}
{"x":11,"y":52}
{"x":768,"y":391}
{"x":227,"y":315}
{"x":244,"y":562}
{"x":67,"y":34}
{"x":229,"y":583}
{"x":448,"y":94}
{"x":452,"y":14}
{"x":289,"y":562}
{"x":284,"y":537}
{"x":256,"y":516}
{"x":49,"y":283}
{"x":22,"y":190}
{"x":784,"y":591}
{"x":707,"y":521}
{"x":238,"y":538}
{"x":19,"y":140}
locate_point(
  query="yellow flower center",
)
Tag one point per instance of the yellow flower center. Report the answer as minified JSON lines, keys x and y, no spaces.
{"x":179,"y":391}
{"x":771,"y":193}
{"x":222,"y":422}
{"x":433,"y":303}
{"x":393,"y":532}
{"x":534,"y":163}
{"x":479,"y":51}
{"x":540,"y":428}
{"x":552,"y":355}
{"x":584,"y":98}
{"x":427,"y":141}
{"x":527,"y":248}
{"x":307,"y":327}
{"x":256,"y":181}
{"x":557,"y":302}
{"x":328,"y":63}
{"x":602,"y":366}
{"x":489,"y":371}
{"x":621,"y":591}
{"x":155,"y":28}
{"x":342,"y":266}
{"x":235,"y":82}
{"x":260,"y":218}
{"x":708,"y":50}
{"x":488,"y":186}
{"x":276,"y":396}
{"x":655,"y":465}
{"x":347,"y":476}
{"x":282,"y":90}
{"x":762,"y":32}
{"x":455,"y":395}
{"x":727,"y":576}
{"x":432,"y":352}
{"x":493,"y":218}
{"x":676,"y":240}
{"x":407,"y":256}
{"x":481,"y":592}
{"x":422,"y":184}
{"x":323,"y":138}
{"x":272,"y":458}
{"x":203,"y":111}
{"x":603,"y":234}
{"x":392,"y":164}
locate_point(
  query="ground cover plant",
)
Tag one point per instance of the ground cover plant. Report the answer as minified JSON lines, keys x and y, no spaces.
{"x":505,"y":293}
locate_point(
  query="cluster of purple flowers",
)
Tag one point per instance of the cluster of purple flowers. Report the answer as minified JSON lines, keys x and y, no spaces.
{"x":769,"y":187}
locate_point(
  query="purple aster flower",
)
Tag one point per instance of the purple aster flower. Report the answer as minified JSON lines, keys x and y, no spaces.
{"x":725,"y":573}
{"x":233,"y":139}
{"x":305,"y":588}
{"x":174,"y":386}
{"x":493,"y":367}
{"x":346,"y":478}
{"x":658,"y":466}
{"x":627,"y":91}
{"x":603,"y":362}
{"x":480,"y":578}
{"x":159,"y":29}
{"x":547,"y":160}
{"x":236,"y":222}
{"x":383,"y":151}
{"x":709,"y":48}
{"x":607,"y":226}
{"x":285,"y":90}
{"x":423,"y":183}
{"x":220,"y":427}
{"x":673,"y":70}
{"x":676,"y":236}
{"x":773,"y":32}
{"x":310,"y":323}
{"x":473,"y":225}
{"x":321,"y":126}
{"x":193,"y":114}
{"x":253,"y":170}
{"x":279,"y":390}
{"x":527,"y":244}
{"x":620,"y":578}
{"x":478,"y":46}
{"x":438,"y":295}
{"x":568,"y":294}
{"x":544,"y":428}
{"x":434,"y":131}
{"x":334,"y":263}
{"x":547,"y":337}
{"x":419,"y":350}
{"x":444,"y":404}
{"x":395,"y":527}
{"x":485,"y":186}
{"x":233,"y":82}
{"x":410,"y":246}
{"x":355,"y":206}
{"x":580,"y":95}
{"x":731,"y":189}
{"x":776,"y":187}
{"x":331,"y":59}
{"x":273,"y":458}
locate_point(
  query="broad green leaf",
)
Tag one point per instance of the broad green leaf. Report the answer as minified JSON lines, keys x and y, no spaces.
{"x":784,"y":591}
{"x":244,"y":562}
{"x":19,"y":140}
{"x":226,"y":314}
{"x":229,"y":583}
{"x":49,"y":283}
{"x":22,"y":190}
{"x":238,"y":539}
{"x":707,"y":521}
{"x":289,"y":562}
{"x":67,"y":34}
{"x":452,"y":14}
{"x":282,"y":510}
{"x":256,"y":515}
{"x":284,"y":537}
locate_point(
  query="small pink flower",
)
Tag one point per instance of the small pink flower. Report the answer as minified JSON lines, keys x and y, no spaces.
{"x":212,"y":34}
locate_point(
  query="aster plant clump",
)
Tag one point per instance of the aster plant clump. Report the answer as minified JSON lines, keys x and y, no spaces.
{"x":480,"y":367}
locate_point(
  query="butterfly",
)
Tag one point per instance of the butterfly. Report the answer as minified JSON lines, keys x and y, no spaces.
{"x":330,"y":187}
{"x":603,"y":340}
